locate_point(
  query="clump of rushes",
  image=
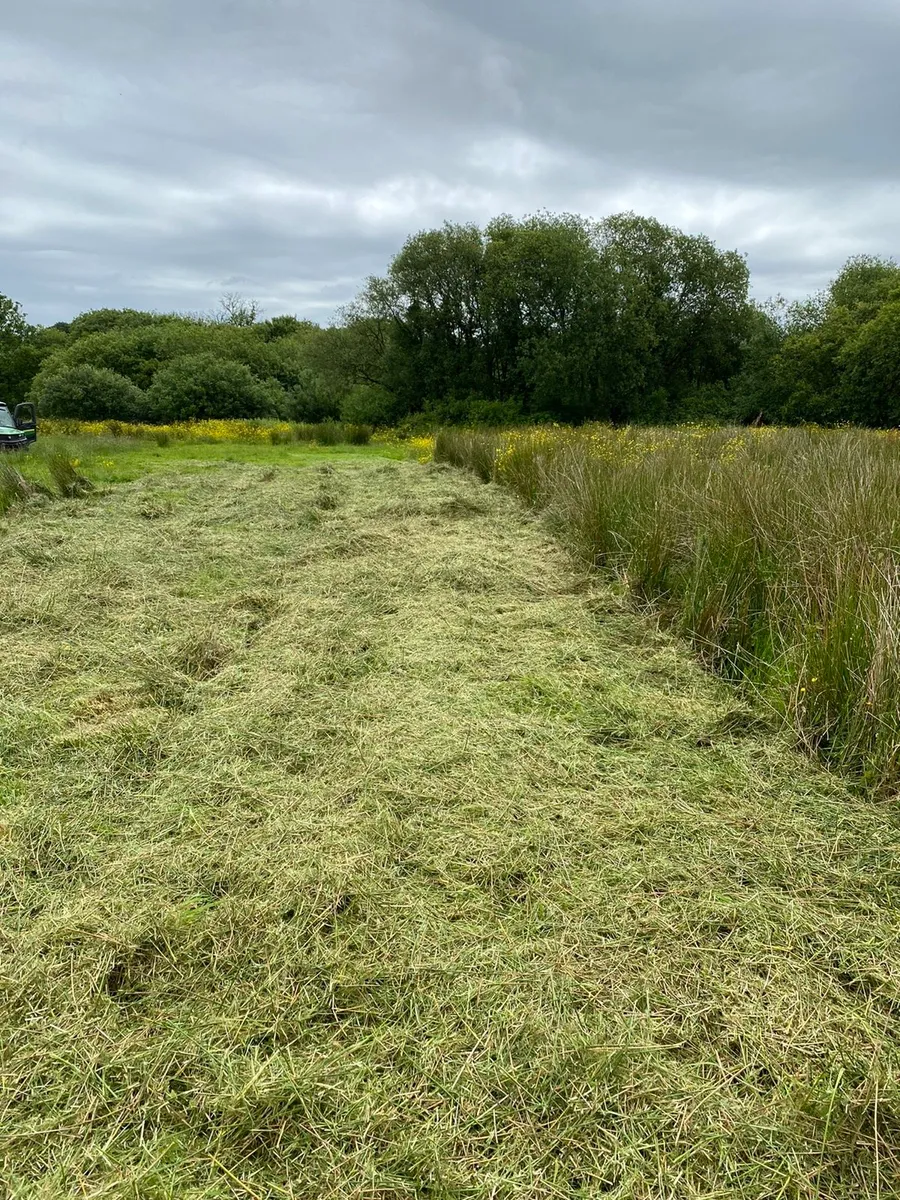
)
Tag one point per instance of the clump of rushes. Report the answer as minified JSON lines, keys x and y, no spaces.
{"x":776,"y":551}
{"x":68,"y":480}
{"x":14,"y":487}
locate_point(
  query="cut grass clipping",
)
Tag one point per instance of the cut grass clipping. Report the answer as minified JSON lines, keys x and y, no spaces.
{"x":364,"y":850}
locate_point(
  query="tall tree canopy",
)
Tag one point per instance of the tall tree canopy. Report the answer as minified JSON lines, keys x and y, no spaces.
{"x":551,"y":317}
{"x":556,"y":315}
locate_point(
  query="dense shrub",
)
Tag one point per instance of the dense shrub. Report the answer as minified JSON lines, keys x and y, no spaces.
{"x":89,"y":393}
{"x":202,"y":386}
{"x":308,"y":399}
{"x":139,"y":351}
{"x":367,"y":404}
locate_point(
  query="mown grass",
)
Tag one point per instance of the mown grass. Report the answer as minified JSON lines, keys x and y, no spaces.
{"x":355,"y":845}
{"x":104,"y":459}
{"x":776,"y":551}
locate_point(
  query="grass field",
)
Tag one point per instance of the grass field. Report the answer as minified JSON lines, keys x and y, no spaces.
{"x":355,"y":844}
{"x":775,"y":551}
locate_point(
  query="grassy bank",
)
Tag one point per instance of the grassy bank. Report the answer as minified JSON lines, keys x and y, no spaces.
{"x":354,"y":845}
{"x":776,"y":552}
{"x":265,"y":432}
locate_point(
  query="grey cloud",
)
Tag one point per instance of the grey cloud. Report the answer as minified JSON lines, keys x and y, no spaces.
{"x":154,"y":152}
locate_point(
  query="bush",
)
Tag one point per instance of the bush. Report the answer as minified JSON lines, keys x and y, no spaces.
{"x":357,"y":435}
{"x":309,"y":399}
{"x":136,"y":353}
{"x":89,"y":393}
{"x":200,"y":387}
{"x":329,"y":433}
{"x":367,"y":404}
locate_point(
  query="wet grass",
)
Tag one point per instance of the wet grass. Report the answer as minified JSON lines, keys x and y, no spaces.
{"x":366,"y":848}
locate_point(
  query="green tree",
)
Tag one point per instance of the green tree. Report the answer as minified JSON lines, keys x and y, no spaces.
{"x":204,"y":386}
{"x":552,"y":316}
{"x":368,"y":404}
{"x":832,"y":361}
{"x":13,"y":325}
{"x":865,"y":283}
{"x":355,"y":351}
{"x":138,"y":352}
{"x":107,"y":320}
{"x":89,"y":393}
{"x":309,"y":398}
{"x":286,"y":326}
{"x":430,"y":304}
{"x":682,"y":314}
{"x":756,"y":393}
{"x":870,"y":370}
{"x":548,"y":316}
{"x":21,"y":352}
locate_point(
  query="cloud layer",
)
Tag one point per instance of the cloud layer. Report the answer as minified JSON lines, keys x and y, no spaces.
{"x":157,"y":153}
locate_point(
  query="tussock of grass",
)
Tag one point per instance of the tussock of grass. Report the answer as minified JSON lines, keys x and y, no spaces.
{"x":445,"y":876}
{"x":775,"y":551}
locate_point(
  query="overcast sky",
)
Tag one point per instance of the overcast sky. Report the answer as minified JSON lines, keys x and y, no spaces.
{"x":157,"y":153}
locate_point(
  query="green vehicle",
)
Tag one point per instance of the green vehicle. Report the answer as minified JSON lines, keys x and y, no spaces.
{"x":18,"y":429}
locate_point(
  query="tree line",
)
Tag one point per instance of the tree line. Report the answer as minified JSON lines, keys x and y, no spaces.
{"x":553,"y":317}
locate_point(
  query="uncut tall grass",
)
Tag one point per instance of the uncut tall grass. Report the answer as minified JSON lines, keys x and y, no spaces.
{"x":776,"y":551}
{"x":323,"y":433}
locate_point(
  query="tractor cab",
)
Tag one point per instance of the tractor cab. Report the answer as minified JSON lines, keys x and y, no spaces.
{"x":18,"y":429}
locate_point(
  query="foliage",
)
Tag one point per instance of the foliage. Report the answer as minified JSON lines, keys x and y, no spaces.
{"x":108,"y":320}
{"x":90,"y":393}
{"x":309,"y":399}
{"x":370,"y":404}
{"x":21,"y":352}
{"x":202,"y":386}
{"x":287,"y":326}
{"x":134,"y":351}
{"x":138,"y":352}
{"x":870,"y":364}
{"x":553,"y":315}
{"x":681,"y":315}
{"x":830,"y":358}
{"x":13,"y":325}
{"x":20,"y":362}
{"x":550,"y":318}
{"x":776,"y":551}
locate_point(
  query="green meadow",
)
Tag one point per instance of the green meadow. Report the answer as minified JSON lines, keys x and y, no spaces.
{"x":369,"y":831}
